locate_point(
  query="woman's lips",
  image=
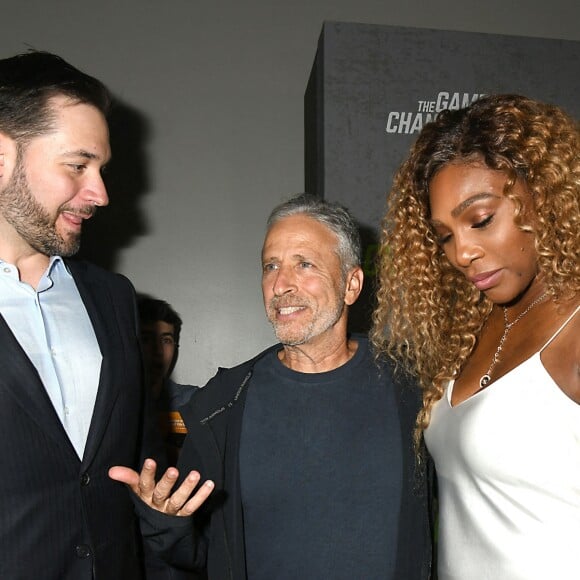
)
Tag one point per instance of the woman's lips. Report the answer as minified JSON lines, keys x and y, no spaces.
{"x":485,"y":280}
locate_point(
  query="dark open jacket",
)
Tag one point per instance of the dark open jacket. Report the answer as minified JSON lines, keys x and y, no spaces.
{"x":214,"y":537}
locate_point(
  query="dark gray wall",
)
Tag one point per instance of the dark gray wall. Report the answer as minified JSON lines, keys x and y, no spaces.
{"x":210,"y":135}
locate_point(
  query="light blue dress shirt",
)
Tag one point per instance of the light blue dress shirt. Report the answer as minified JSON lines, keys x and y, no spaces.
{"x":53,"y":328}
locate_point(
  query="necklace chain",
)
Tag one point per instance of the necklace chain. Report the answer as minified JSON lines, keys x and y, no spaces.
{"x":486,"y":378}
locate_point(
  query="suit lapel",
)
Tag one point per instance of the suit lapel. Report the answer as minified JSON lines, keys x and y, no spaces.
{"x":98,"y":302}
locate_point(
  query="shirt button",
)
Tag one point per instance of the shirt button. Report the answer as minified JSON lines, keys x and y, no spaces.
{"x":83,"y":551}
{"x":6,"y":270}
{"x":67,"y":411}
{"x":85,"y":479}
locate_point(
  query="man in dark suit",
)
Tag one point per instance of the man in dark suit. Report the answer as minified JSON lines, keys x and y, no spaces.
{"x":71,"y":398}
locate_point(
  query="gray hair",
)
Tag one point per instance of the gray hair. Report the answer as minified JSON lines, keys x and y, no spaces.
{"x":332,"y":215}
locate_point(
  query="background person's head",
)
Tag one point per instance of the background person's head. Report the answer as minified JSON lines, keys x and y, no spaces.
{"x":160,"y":328}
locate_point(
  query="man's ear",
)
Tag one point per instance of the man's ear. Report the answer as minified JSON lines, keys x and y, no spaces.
{"x":8,"y":155}
{"x":354,"y":284}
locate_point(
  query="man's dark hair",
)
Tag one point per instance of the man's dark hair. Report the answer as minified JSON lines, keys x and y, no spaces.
{"x":151,"y":310}
{"x":27,"y":83}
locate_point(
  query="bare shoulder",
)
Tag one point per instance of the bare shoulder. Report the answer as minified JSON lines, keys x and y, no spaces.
{"x":561,"y":357}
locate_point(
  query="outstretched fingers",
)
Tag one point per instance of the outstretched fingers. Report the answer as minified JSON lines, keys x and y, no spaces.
{"x":159,"y":495}
{"x":198,"y":499}
{"x":142,"y":484}
{"x":146,"y":485}
{"x":180,"y":502}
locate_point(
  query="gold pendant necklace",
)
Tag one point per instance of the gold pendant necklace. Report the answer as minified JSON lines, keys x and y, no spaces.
{"x":486,"y":378}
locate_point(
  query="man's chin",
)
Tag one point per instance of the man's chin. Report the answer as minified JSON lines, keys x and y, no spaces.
{"x":68,"y":252}
{"x":70,"y":246}
{"x":65,"y":250}
{"x":291,"y":343}
{"x":290,"y":338}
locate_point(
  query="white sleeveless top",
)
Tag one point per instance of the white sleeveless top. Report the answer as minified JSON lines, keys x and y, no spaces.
{"x":508,"y":469}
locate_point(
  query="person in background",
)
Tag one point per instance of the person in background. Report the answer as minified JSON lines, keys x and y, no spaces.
{"x":71,"y":396}
{"x":160,"y":329}
{"x":307,"y":447}
{"x":478,"y":297}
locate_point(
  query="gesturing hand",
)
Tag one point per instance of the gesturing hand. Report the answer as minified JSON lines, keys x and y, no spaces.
{"x":158,"y":495}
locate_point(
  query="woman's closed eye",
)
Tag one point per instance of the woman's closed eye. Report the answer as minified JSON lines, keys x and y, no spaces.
{"x":484,"y":222}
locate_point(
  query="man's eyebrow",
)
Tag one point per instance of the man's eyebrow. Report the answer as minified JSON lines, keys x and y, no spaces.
{"x":82,"y":153}
{"x":297,"y":257}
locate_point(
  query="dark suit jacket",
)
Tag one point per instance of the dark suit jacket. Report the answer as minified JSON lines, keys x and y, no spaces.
{"x":62,"y":518}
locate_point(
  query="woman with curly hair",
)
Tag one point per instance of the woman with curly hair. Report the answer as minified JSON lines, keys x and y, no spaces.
{"x":478,"y":297}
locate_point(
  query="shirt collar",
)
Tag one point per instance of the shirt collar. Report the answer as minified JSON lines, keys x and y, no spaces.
{"x":56,"y":269}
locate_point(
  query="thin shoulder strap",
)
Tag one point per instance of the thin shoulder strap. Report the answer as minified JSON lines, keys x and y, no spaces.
{"x":561,"y":328}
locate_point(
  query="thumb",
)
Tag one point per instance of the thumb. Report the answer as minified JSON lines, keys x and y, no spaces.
{"x":124,"y":475}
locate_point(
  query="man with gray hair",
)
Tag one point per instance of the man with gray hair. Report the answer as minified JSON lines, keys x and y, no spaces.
{"x":307,"y":447}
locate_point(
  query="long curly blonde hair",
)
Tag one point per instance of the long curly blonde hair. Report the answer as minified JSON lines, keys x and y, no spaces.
{"x":428,"y":315}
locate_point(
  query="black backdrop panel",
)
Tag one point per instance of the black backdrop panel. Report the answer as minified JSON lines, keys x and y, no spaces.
{"x":372,"y":88}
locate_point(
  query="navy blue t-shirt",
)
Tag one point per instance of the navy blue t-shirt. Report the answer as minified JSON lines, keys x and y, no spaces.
{"x":321,"y":472}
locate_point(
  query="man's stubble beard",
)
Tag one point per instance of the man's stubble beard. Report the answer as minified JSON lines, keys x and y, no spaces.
{"x":316,"y":327}
{"x":30,"y":220}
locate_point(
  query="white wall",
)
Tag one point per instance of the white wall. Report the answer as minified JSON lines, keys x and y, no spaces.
{"x":220,"y":85}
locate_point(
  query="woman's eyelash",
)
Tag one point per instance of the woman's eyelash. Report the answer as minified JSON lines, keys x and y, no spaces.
{"x":443,"y":239}
{"x":484,"y":222}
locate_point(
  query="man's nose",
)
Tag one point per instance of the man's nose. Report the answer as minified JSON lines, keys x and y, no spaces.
{"x":95,"y":191}
{"x":285,"y":281}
